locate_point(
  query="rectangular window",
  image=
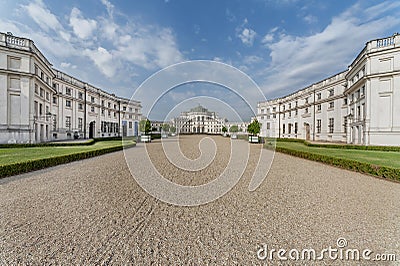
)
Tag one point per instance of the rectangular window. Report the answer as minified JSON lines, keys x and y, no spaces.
{"x":109,"y":105}
{"x":36,"y":108}
{"x":283,"y":129}
{"x":295,"y":128}
{"x":296,"y":112}
{"x":102,"y":111}
{"x":80,"y":124}
{"x":306,"y":110}
{"x":331,"y":105}
{"x":290,"y":128}
{"x":68,"y":91}
{"x":41,"y":94}
{"x":80,"y":95}
{"x":40,"y":109}
{"x":362,"y":90}
{"x":115,"y":106}
{"x":319,"y":107}
{"x":345,"y":124}
{"x":345,"y":101}
{"x":92,"y":109}
{"x":47,"y":96}
{"x":68,"y":122}
{"x":54,"y":100}
{"x":68,"y":103}
{"x":80,"y":106}
{"x":268,"y":126}
{"x":319,"y":96}
{"x":102,"y":102}
{"x":14,"y":62}
{"x":54,"y":123}
{"x":363,"y":111}
{"x":130,"y":124}
{"x":319,"y":126}
{"x":331,"y":92}
{"x":36,"y":89}
{"x":331,"y":125}
{"x":92,"y":99}
{"x":306,"y":100}
{"x":124,"y":108}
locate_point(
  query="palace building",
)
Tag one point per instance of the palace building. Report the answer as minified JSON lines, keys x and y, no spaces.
{"x":356,"y":106}
{"x":198,"y":120}
{"x":39,"y":103}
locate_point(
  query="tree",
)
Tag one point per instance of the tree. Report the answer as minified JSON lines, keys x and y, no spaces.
{"x":165,"y":127}
{"x":254,"y":127}
{"x":234,"y":129}
{"x":145,"y":126}
{"x":224,"y":129}
{"x":172,"y":129}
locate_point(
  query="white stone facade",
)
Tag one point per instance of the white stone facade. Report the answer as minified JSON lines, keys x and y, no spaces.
{"x":39,"y":103}
{"x":357,"y":106}
{"x":198,"y":120}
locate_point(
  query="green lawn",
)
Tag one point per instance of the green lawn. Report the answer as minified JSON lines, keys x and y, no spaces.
{"x":381,"y":158}
{"x":17,"y":155}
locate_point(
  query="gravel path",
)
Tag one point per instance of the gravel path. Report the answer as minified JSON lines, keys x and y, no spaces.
{"x":93,"y":212}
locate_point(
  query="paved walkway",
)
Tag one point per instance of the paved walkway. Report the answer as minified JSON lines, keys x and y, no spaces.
{"x":93,"y":212}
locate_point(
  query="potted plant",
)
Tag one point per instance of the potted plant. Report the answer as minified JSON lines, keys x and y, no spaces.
{"x":254,"y":130}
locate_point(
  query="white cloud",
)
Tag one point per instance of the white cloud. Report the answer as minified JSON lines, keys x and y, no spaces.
{"x":42,"y":15}
{"x":247,"y":36}
{"x":45,"y":19}
{"x":103,"y":60}
{"x":67,"y":65}
{"x":310,"y":19}
{"x":83,"y":28}
{"x":298,"y":61}
{"x":252,"y":59}
{"x":268,"y":38}
{"x":109,"y":6}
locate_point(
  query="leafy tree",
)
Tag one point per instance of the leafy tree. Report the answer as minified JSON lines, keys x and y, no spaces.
{"x":145,"y":126}
{"x":172,"y":129}
{"x":254,"y":127}
{"x":224,"y":129}
{"x":234,"y":129}
{"x":166,"y":127}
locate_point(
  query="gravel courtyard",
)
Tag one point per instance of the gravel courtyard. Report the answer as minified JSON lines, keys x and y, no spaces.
{"x":93,"y":212}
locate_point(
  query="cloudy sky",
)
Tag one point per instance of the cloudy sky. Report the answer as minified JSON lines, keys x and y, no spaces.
{"x":283,"y":45}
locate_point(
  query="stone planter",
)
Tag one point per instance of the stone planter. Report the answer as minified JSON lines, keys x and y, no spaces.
{"x":145,"y":138}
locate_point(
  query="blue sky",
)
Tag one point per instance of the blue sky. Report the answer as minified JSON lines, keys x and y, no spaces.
{"x":282,"y":45}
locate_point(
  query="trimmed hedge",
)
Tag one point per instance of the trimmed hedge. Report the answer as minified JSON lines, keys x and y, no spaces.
{"x":366,"y":168}
{"x":342,"y":146}
{"x":32,"y":165}
{"x":48,"y":144}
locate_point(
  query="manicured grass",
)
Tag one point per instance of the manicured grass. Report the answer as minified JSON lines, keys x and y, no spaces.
{"x":16,"y":155}
{"x":382,"y":158}
{"x":385,"y":164}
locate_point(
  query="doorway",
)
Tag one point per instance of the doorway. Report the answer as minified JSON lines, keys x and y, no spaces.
{"x":91,"y":129}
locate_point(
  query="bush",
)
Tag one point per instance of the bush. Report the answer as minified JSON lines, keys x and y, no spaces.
{"x":366,"y":168}
{"x":47,"y":144}
{"x":32,"y":165}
